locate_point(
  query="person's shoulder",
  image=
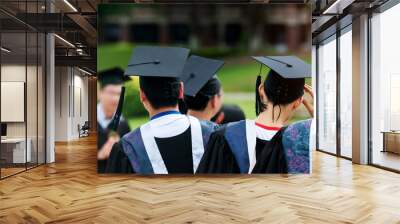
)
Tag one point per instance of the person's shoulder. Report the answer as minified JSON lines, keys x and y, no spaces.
{"x":303,"y":125}
{"x":236,"y":124}
{"x":229,"y":127}
{"x":130,"y":141}
{"x":296,"y":145}
{"x":296,"y":137}
{"x":298,"y":129}
{"x":209,"y":125}
{"x":132,"y":135}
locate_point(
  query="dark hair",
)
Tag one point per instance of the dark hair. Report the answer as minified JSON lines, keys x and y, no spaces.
{"x":200,"y":101}
{"x":160,"y":91}
{"x":113,"y":76}
{"x":279,"y":91}
{"x":231,"y":112}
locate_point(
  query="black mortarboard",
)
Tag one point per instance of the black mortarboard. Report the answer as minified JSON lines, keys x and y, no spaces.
{"x":289,"y":67}
{"x":113,"y":76}
{"x":157,"y":61}
{"x":197,"y":71}
{"x":285,"y":81}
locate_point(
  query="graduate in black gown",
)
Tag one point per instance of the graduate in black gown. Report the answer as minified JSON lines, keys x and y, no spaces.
{"x":170,"y":142}
{"x":256,"y":146}
{"x":229,"y":113}
{"x":111,"y":82}
{"x":203,"y":92}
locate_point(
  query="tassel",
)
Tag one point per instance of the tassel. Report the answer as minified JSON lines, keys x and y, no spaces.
{"x":280,"y":110}
{"x":258,"y":98}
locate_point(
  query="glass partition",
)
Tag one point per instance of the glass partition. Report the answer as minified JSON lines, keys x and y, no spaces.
{"x":31,"y":97}
{"x":346,"y":93}
{"x":385,"y":89}
{"x":41,"y":96}
{"x":13,"y":94}
{"x":22,"y":64}
{"x":327,"y":95}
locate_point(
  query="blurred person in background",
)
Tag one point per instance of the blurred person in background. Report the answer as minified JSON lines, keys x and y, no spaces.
{"x":203,"y":91}
{"x":111,"y":82}
{"x":229,"y":113}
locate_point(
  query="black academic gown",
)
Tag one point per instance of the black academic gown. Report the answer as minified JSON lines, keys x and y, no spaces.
{"x":176,"y":153}
{"x":271,"y":156}
{"x":219,"y":158}
{"x":178,"y":150}
{"x":102,"y":136}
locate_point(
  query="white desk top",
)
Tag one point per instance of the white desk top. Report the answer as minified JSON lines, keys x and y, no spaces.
{"x":13,"y":140}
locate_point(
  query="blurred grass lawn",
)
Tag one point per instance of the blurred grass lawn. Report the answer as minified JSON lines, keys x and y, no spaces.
{"x":234,"y":77}
{"x":238,"y":75}
{"x":112,"y":55}
{"x":242,"y":77}
{"x":247,"y":105}
{"x":136,"y":122}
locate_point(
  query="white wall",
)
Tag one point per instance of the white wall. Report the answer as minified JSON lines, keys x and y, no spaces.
{"x":61,"y":103}
{"x":16,"y":73}
{"x":71,"y":94}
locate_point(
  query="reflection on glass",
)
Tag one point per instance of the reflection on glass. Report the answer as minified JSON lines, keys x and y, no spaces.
{"x":14,"y":153}
{"x":31,"y":99}
{"x":385,"y":86}
{"x":346,"y":94}
{"x":22,"y":90}
{"x":394,"y":102}
{"x":327,"y":96}
{"x":41,"y":99}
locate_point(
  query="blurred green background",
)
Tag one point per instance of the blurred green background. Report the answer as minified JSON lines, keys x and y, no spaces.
{"x":227,"y":32}
{"x":237,"y":76}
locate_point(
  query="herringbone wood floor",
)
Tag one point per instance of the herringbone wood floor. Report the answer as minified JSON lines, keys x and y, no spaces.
{"x":70,"y":191}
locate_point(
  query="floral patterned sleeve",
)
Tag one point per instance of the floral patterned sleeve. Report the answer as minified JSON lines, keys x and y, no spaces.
{"x":296,"y":140}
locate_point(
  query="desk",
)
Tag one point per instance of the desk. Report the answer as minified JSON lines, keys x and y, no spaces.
{"x":391,"y":141}
{"x":13,"y":150}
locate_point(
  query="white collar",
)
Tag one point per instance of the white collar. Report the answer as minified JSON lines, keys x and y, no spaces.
{"x":169,"y":125}
{"x":264,"y":134}
{"x":252,"y":133}
{"x":101,"y":117}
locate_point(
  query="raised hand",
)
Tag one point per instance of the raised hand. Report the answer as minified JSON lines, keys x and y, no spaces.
{"x":309,"y":103}
{"x":105,"y":151}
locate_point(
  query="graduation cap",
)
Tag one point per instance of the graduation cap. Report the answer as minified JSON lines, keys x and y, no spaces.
{"x":113,"y":76}
{"x":155,"y":61}
{"x":197,"y":72}
{"x":289,"y":67}
{"x":285,"y":81}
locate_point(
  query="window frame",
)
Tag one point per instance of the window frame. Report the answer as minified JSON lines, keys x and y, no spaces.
{"x":380,"y":9}
{"x":342,"y":26}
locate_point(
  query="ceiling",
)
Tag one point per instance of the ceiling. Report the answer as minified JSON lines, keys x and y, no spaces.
{"x":328,"y":16}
